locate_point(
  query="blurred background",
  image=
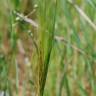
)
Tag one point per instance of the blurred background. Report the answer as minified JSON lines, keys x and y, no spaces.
{"x":51,"y":41}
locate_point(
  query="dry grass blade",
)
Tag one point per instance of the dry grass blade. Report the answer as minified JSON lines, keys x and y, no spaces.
{"x":58,"y":38}
{"x":82,"y":13}
{"x":26,"y":19}
{"x":62,"y":39}
{"x":85,"y":17}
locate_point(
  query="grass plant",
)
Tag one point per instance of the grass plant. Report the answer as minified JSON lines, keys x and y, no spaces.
{"x":56,"y":53}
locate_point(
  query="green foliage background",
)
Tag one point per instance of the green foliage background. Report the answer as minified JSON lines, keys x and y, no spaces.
{"x":61,"y":50}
